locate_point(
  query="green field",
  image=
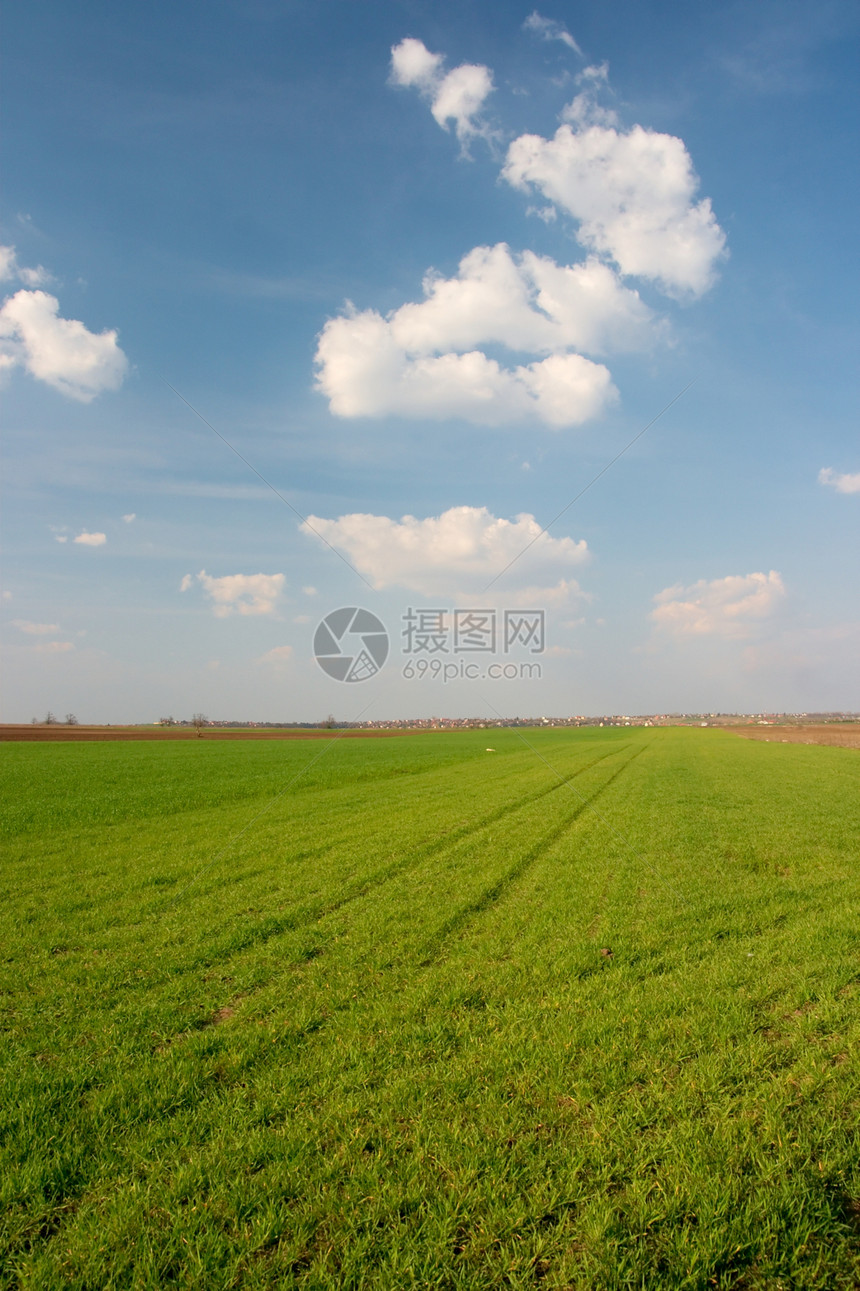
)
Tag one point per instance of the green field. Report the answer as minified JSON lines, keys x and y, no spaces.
{"x":336,"y":1015}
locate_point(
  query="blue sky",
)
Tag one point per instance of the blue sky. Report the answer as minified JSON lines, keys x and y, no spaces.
{"x":428,"y":268}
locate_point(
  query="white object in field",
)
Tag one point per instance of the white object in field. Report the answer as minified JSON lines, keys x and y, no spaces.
{"x":491,"y":750}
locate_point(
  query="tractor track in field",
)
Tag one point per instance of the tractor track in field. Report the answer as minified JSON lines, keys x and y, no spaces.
{"x":306,"y":915}
{"x":431,"y":949}
{"x":496,"y":890}
{"x":314,"y":912}
{"x":600,"y":904}
{"x":60,"y":1216}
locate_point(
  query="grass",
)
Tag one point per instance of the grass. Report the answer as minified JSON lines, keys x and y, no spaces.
{"x":299,"y":1015}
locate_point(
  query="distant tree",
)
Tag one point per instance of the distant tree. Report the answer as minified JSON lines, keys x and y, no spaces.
{"x":71,"y":720}
{"x":34,"y":721}
{"x":166,"y":721}
{"x":198,"y":721}
{"x":50,"y":719}
{"x":330,"y":722}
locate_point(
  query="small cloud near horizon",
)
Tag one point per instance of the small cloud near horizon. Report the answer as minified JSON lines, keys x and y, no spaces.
{"x":841,"y":483}
{"x":238,"y":593}
{"x":725,"y":607}
{"x":36,"y":629}
{"x":278,"y":655}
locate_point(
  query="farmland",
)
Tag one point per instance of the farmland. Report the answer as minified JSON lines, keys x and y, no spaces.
{"x":583,"y":1011}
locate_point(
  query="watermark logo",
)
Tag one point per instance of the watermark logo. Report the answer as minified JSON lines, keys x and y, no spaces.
{"x":473,"y":631}
{"x":351,"y":644}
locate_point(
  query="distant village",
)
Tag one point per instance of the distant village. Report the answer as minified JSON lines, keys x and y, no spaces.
{"x":484,"y":723}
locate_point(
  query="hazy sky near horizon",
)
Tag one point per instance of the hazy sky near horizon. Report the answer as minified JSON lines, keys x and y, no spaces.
{"x":428,"y":268}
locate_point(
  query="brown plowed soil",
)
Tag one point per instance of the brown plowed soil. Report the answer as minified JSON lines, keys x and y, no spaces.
{"x":62,"y":732}
{"x":840,"y":735}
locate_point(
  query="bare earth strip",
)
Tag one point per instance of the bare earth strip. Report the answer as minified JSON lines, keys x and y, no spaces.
{"x":845,"y":736}
{"x":58,"y":732}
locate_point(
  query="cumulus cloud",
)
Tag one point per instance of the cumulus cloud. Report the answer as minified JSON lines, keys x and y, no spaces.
{"x":455,"y":554}
{"x":412,"y":64}
{"x":457,"y":96}
{"x":130,"y":517}
{"x":726,"y":607}
{"x":54,"y":647}
{"x":239,"y":593}
{"x":279,"y":655}
{"x":549,"y":29}
{"x":59,"y":351}
{"x":632,"y":193}
{"x":36,"y":629}
{"x":89,"y":539}
{"x":364,"y":373}
{"x":841,"y":483}
{"x":424,"y":360}
{"x":526,"y":302}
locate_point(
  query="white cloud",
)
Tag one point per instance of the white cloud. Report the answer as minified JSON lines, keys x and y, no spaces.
{"x":54,"y":647}
{"x":59,"y":351}
{"x":11,"y":270}
{"x":549,"y":29}
{"x":726,"y":607}
{"x":130,"y":517}
{"x":554,"y":596}
{"x":458,"y":96}
{"x":548,"y":214}
{"x":38,"y":277}
{"x":8,"y":263}
{"x":631,"y":192}
{"x":585,"y":109}
{"x":36,"y":629}
{"x":526,"y":303}
{"x":239,"y":593}
{"x":412,"y":64}
{"x":364,"y":373}
{"x":309,"y":591}
{"x":60,"y":537}
{"x":279,"y":655}
{"x":91,"y":539}
{"x":187,"y":582}
{"x":424,"y":360}
{"x":455,"y":554}
{"x":633,"y":196}
{"x":841,"y":483}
